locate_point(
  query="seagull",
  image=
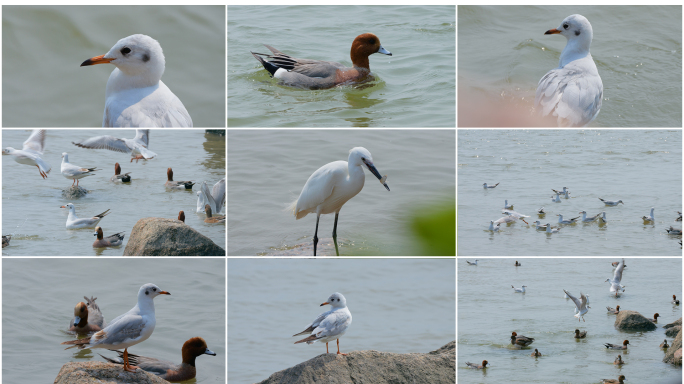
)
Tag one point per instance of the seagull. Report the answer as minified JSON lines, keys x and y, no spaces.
{"x":74,"y":172}
{"x":494,"y":228}
{"x":581,"y":305}
{"x":471,"y":263}
{"x":588,"y":219}
{"x":539,"y":226}
{"x":135,"y":95}
{"x":576,"y":310}
{"x":506,"y":206}
{"x":550,"y":229}
{"x":674,"y":231}
{"x":602,"y":219}
{"x":540,"y":211}
{"x":573,"y":92}
{"x":215,"y":198}
{"x":505,"y":220}
{"x":31,"y":152}
{"x":519,"y":290}
{"x":136,"y":146}
{"x":556,"y":198}
{"x":485,"y":186}
{"x":571,"y":221}
{"x":611,"y":203}
{"x":515,"y":214}
{"x":329,"y":326}
{"x":563,"y":192}
{"x":617,"y":277}
{"x":649,"y":218}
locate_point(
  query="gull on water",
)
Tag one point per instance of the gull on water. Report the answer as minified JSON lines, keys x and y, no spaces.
{"x":539,"y":226}
{"x":31,"y":152}
{"x":136,"y":146}
{"x":135,"y":95}
{"x":519,"y":290}
{"x":485,"y":186}
{"x":506,"y":206}
{"x":580,"y":304}
{"x":587,"y":219}
{"x":540,"y":211}
{"x":571,"y":221}
{"x":564,"y":192}
{"x":515,"y":214}
{"x":603,"y":217}
{"x":472,"y":263}
{"x":615,"y":285}
{"x":329,"y":326}
{"x":611,"y":203}
{"x":649,"y":218}
{"x":550,"y":229}
{"x":494,"y":228}
{"x":556,"y":198}
{"x":573,"y":92}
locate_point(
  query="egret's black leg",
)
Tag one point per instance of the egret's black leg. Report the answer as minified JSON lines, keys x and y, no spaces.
{"x":318,"y":217}
{"x":335,"y":234}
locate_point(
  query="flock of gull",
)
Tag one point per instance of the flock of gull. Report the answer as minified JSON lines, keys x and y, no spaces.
{"x":581,"y":309}
{"x":511,"y":216}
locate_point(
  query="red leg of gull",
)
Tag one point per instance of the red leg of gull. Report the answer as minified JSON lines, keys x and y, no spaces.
{"x":338,"y":348}
{"x":326,"y":348}
{"x":127,"y":366}
{"x":41,"y":172}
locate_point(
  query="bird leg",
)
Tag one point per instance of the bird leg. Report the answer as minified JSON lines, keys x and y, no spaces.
{"x":318,"y":217}
{"x":43,"y":175}
{"x":326,"y":348}
{"x":335,"y":234}
{"x":338,"y":348}
{"x":73,"y":182}
{"x":127,"y":366}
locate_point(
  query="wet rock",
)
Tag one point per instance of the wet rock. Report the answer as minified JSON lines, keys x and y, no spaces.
{"x":633,"y":321}
{"x":156,"y":236}
{"x":674,"y":353}
{"x":673,"y":328}
{"x":74,"y":192}
{"x":373,"y":367}
{"x":92,"y":372}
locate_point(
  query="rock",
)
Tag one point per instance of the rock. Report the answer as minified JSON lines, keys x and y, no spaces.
{"x":156,"y":236}
{"x":674,"y":353}
{"x":673,"y":328}
{"x":92,"y":372}
{"x":673,"y":324}
{"x":373,"y":367}
{"x":74,"y":192}
{"x":220,"y":132}
{"x":633,"y":321}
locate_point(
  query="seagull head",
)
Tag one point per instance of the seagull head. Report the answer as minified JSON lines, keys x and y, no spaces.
{"x":336,"y":300}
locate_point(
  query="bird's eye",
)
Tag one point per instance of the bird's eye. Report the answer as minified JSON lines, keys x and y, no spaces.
{"x":147,"y":292}
{"x":126,"y":50}
{"x":565,"y":26}
{"x":577,"y":33}
{"x":154,"y":289}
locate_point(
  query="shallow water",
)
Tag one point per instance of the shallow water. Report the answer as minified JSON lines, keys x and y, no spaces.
{"x":272,"y":299}
{"x":503,"y":53}
{"x":268,"y":169}
{"x":643,"y":168}
{"x":56,"y":92}
{"x":412,"y":88}
{"x":43,"y":292}
{"x":489,"y":310}
{"x":30,"y":204}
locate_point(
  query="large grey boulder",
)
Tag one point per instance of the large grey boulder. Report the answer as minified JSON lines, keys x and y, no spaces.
{"x":633,"y":321}
{"x":674,"y":353}
{"x":373,"y":367}
{"x":156,"y":236}
{"x":673,"y":328}
{"x":92,"y":372}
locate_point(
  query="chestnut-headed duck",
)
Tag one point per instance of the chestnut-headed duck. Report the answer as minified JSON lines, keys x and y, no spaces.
{"x":212,"y":219}
{"x":31,"y":152}
{"x":74,"y":172}
{"x":674,"y":231}
{"x":73,"y":222}
{"x":472,"y":262}
{"x":674,"y":299}
{"x":176,"y":184}
{"x":620,"y":380}
{"x":664,"y":345}
{"x":475,"y":366}
{"x":519,"y":290}
{"x":522,"y":341}
{"x":655,"y":318}
{"x":317,"y":74}
{"x":517,"y":264}
{"x":84,"y":312}
{"x":613,"y":311}
{"x":615,"y":346}
{"x":137,"y":146}
{"x":580,"y":335}
{"x":536,"y":353}
{"x":118,"y":177}
{"x":6,"y":240}
{"x":110,"y":241}
{"x":165,"y":369}
{"x":181,"y":216}
{"x":618,"y":360}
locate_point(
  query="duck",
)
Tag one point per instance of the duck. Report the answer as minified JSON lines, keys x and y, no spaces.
{"x":118,"y":177}
{"x":74,"y":172}
{"x":654,"y":319}
{"x":110,"y":241}
{"x":73,"y":222}
{"x":136,"y":146}
{"x":664,"y":345}
{"x":649,"y":218}
{"x":610,"y":202}
{"x":580,"y":335}
{"x":613,"y":311}
{"x":571,"y":221}
{"x":317,"y":74}
{"x":167,"y":370}
{"x":674,"y":300}
{"x":536,"y":353}
{"x":181,"y":216}
{"x":475,"y":366}
{"x":617,"y":346}
{"x":588,"y":219}
{"x":32,"y":152}
{"x":620,"y":380}
{"x":472,"y":262}
{"x":522,"y":341}
{"x":82,"y":313}
{"x":6,"y":240}
{"x":674,"y":231}
{"x":176,"y":184}
{"x":213,"y":219}
{"x":618,"y":360}
{"x":519,"y":290}
{"x":679,"y":218}
{"x":517,"y":264}
{"x":489,"y":186}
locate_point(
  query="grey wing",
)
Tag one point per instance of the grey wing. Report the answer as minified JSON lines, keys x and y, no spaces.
{"x":307,"y":67}
{"x":104,"y":142}
{"x":333,"y":324}
{"x":617,"y":276}
{"x":572,"y":97}
{"x":574,"y":299}
{"x":36,"y":142}
{"x":142,"y":135}
{"x":96,"y":316}
{"x":218,"y":192}
{"x":124,"y":327}
{"x":314,"y":324}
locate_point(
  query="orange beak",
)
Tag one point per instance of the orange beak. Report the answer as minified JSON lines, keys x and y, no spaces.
{"x":549,"y":32}
{"x":164,"y":293}
{"x":324,"y":304}
{"x":96,"y":60}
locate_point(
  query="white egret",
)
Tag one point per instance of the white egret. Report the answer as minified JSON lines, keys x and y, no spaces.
{"x":331,"y":186}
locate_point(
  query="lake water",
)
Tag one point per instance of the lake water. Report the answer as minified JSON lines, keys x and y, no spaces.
{"x":31,"y":205}
{"x":503,"y":52}
{"x":643,"y":168}
{"x":59,"y":93}
{"x":43,"y":293}
{"x":415,"y":87}
{"x":268,"y":169}
{"x":397,"y":305}
{"x":486,"y":320}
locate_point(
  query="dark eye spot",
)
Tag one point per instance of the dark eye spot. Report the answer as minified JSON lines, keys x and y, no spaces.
{"x":146,"y":58}
{"x":566,"y":26}
{"x":147,"y":292}
{"x":154,"y":289}
{"x":577,"y":33}
{"x":371,"y":41}
{"x":125,"y":51}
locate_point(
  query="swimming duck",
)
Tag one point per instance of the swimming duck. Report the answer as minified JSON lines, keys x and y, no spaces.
{"x":176,"y":184}
{"x":674,"y":231}
{"x":536,"y":353}
{"x":654,"y":319}
{"x":674,"y":300}
{"x":213,"y":219}
{"x":616,"y":346}
{"x":118,"y":177}
{"x":620,"y":380}
{"x":664,"y":345}
{"x":110,"y":241}
{"x":517,"y":264}
{"x":6,"y":240}
{"x":618,"y":360}
{"x":580,"y":335}
{"x":80,"y":323}
{"x":181,"y":216}
{"x":522,"y":341}
{"x":475,"y":366}
{"x":613,"y":311}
